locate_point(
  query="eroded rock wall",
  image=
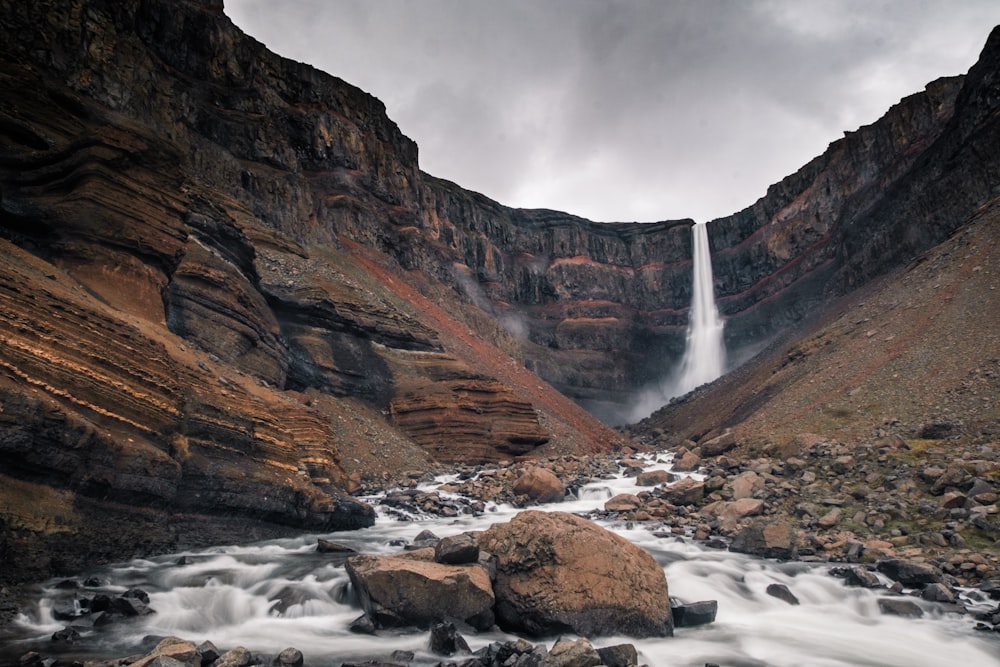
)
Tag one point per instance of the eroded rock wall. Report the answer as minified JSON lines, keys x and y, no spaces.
{"x":205,"y":330}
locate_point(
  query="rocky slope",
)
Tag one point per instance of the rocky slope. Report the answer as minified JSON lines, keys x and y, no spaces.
{"x":915,"y":354}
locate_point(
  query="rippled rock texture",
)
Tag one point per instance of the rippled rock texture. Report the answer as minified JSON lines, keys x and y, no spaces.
{"x":204,"y":336}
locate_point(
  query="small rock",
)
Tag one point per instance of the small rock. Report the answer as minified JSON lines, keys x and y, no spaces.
{"x":290,"y":657}
{"x":208,"y":652}
{"x":652,"y":478}
{"x":329,"y":547}
{"x":937,"y":593}
{"x":718,"y":445}
{"x":457,"y":549}
{"x":67,"y":634}
{"x":237,"y":657}
{"x":781,"y":592}
{"x":363,"y":625}
{"x":623,"y":502}
{"x":578,"y":653}
{"x":694,"y":613}
{"x":862,"y":577}
{"x":830,"y":519}
{"x":619,"y":655}
{"x":909,"y":573}
{"x":900,"y":607}
{"x":686,"y":461}
{"x":540,"y":485}
{"x":445,"y":640}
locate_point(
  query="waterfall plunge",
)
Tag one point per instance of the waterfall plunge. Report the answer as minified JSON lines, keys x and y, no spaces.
{"x":704,"y":353}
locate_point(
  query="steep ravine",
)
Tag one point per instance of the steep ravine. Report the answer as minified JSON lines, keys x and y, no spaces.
{"x":230,"y":296}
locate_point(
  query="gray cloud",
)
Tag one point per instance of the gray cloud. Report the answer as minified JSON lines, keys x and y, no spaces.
{"x":627,"y":110}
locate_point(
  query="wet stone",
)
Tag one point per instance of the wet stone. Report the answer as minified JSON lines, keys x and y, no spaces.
{"x":900,"y":607}
{"x":782,"y":592}
{"x":693,"y":614}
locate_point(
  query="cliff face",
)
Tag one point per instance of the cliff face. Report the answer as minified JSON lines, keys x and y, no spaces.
{"x":204,"y":335}
{"x":228,"y":289}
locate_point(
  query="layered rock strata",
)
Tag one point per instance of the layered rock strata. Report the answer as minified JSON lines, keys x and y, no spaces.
{"x":228,"y":279}
{"x":202,"y":339}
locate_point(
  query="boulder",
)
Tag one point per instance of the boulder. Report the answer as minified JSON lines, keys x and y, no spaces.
{"x":445,"y":640}
{"x":652,"y":478}
{"x":557,"y":572}
{"x":686,"y":461}
{"x":572,"y":653}
{"x":862,"y":577}
{"x":688,"y":491}
{"x":768,"y":540}
{"x":782,"y":592}
{"x":746,"y":485}
{"x":937,"y":593}
{"x":623,"y":502}
{"x":237,"y":657}
{"x":396,"y":590}
{"x":457,"y":549}
{"x":208,"y":652}
{"x":290,"y":657}
{"x":330,"y":547}
{"x":619,"y":655}
{"x":910,"y":573}
{"x":900,"y":607}
{"x":540,"y":485}
{"x":731,"y":513}
{"x":689,"y":615}
{"x":718,"y":445}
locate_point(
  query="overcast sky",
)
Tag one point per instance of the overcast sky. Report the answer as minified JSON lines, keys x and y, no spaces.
{"x":626,"y":110}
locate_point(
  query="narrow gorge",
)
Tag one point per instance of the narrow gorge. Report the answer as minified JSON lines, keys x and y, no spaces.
{"x":230,"y":298}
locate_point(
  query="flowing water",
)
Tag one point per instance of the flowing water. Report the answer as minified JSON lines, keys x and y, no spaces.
{"x":705,"y":353}
{"x":704,"y":357}
{"x":282,"y":593}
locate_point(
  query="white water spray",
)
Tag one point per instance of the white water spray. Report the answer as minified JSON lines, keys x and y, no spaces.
{"x":705,"y":352}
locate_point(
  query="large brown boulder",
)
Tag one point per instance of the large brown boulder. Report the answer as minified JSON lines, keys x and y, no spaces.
{"x":557,"y":572}
{"x":408,"y":590}
{"x":540,"y":485}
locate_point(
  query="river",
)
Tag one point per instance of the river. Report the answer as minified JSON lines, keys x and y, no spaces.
{"x":272,"y":595}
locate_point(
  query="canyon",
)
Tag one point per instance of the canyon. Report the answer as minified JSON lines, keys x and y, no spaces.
{"x":231,"y":298}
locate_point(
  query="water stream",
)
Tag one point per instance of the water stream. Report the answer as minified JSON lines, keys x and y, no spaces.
{"x":704,"y":357}
{"x":705,"y":352}
{"x":281,"y":593}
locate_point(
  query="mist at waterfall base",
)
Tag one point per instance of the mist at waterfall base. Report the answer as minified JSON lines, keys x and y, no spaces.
{"x":704,"y":357}
{"x":282,"y":593}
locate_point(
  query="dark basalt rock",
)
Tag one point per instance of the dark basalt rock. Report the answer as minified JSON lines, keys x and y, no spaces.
{"x":781,"y":592}
{"x":910,"y":573}
{"x":446,"y":640}
{"x":900,"y":607}
{"x":692,"y":614}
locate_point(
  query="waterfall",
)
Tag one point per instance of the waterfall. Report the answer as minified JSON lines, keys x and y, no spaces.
{"x":705,"y":352}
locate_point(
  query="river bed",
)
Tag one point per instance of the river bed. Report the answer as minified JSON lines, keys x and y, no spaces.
{"x":281,"y":593}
